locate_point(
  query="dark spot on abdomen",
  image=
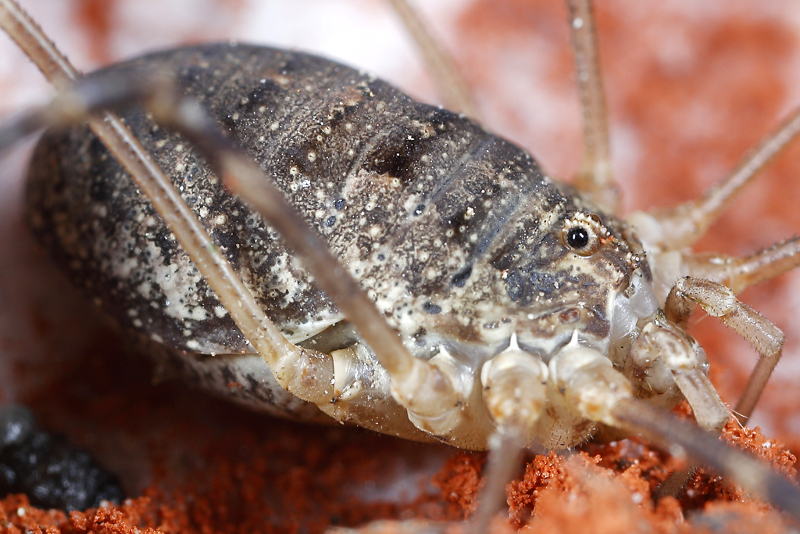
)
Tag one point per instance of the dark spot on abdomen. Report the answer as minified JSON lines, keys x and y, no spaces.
{"x":460,"y":278}
{"x":431,"y":308}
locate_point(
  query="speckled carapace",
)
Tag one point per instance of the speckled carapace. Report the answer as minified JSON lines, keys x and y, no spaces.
{"x":456,"y":233}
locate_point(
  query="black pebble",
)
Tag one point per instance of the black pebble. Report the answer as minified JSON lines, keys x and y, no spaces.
{"x":49,"y":470}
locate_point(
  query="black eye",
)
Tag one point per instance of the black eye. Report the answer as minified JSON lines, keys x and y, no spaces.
{"x":583,"y":233}
{"x":578,"y":237}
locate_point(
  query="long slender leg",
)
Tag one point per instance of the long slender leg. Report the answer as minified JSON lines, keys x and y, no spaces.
{"x":422,"y":388}
{"x":662,"y":343}
{"x":166,"y":200}
{"x":595,"y":179}
{"x":505,"y":456}
{"x":680,"y":226}
{"x":672,"y":433}
{"x":515,"y":393}
{"x":720,"y":301}
{"x":602,"y":394}
{"x":425,"y":390}
{"x":452,"y":87}
{"x":741,"y":273}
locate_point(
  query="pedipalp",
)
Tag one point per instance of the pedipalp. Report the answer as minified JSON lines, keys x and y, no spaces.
{"x":720,"y":301}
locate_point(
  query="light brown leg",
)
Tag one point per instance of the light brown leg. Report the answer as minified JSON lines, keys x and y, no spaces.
{"x":505,"y":456}
{"x":678,"y":436}
{"x":595,"y":388}
{"x":663,"y":343}
{"x":515,"y":392}
{"x":422,"y":388}
{"x":453,"y":89}
{"x":220,"y":275}
{"x":595,"y":179}
{"x":720,"y":301}
{"x":665,"y":352}
{"x":741,"y":273}
{"x":680,"y":226}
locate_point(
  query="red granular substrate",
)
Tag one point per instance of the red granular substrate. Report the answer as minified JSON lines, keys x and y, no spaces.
{"x":201,"y":465}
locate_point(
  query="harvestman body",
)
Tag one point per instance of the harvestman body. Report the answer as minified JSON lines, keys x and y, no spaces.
{"x":455,"y":233}
{"x":507,"y":304}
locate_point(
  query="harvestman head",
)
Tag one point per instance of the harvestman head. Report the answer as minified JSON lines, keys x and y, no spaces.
{"x":594,"y":382}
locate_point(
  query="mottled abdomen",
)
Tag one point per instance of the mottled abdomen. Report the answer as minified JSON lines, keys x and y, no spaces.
{"x":438,"y":219}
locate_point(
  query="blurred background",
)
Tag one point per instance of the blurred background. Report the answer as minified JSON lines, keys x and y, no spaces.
{"x":691,"y":86}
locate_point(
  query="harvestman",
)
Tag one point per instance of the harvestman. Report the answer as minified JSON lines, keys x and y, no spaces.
{"x":508,"y":401}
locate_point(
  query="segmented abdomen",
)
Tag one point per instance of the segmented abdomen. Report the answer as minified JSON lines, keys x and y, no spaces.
{"x":418,"y":202}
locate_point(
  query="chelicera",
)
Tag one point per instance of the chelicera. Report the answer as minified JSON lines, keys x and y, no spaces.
{"x":528,"y":376}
